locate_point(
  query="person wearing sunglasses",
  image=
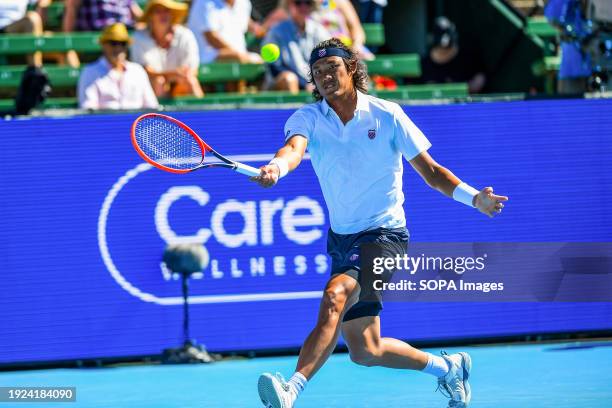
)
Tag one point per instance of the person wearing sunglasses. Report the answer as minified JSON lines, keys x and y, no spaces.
{"x":295,"y":37}
{"x":95,"y":15}
{"x":113,"y":82}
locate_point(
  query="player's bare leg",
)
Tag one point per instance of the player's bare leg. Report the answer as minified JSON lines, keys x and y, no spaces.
{"x":368,"y":348}
{"x":341,"y":292}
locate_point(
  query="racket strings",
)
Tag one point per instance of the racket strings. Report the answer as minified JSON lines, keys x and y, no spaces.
{"x":168,"y":144}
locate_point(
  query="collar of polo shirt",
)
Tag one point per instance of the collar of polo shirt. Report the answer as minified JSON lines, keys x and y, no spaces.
{"x":362,"y":104}
{"x":102,"y":60}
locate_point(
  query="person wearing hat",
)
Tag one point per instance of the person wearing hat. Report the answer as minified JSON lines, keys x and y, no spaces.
{"x":94,"y":15}
{"x":447,"y":62}
{"x":113,"y":82}
{"x":167,"y":50}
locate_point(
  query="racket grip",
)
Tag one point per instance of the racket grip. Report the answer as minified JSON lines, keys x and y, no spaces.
{"x":247,"y":170}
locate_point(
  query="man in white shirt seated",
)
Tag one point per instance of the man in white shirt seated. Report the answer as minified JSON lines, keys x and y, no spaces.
{"x":219,"y":27}
{"x":14,"y":18}
{"x":113,"y":82}
{"x":167,"y":50}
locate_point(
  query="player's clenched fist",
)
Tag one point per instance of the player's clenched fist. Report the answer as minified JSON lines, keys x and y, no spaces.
{"x":268,"y":177}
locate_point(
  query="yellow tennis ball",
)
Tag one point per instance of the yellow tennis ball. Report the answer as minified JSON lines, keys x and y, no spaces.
{"x":270,"y":52}
{"x":346,"y":40}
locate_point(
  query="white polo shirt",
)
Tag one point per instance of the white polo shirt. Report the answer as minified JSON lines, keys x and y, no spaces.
{"x":359,"y":165}
{"x":13,"y":10}
{"x":183,"y":50}
{"x":229,"y":22}
{"x":101,"y":87}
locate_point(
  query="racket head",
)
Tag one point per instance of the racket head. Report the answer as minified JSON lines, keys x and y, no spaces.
{"x":167,"y":143}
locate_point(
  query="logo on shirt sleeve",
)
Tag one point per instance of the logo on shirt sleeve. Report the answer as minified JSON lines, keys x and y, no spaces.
{"x":287,"y":134}
{"x":372,"y":133}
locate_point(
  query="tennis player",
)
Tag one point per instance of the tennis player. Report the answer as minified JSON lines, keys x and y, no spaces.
{"x":356,"y":143}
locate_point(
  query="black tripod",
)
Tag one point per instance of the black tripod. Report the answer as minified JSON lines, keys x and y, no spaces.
{"x":185,"y":261}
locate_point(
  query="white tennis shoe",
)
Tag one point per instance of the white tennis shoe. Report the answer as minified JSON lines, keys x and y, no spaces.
{"x":275,"y":392}
{"x":455,"y":384}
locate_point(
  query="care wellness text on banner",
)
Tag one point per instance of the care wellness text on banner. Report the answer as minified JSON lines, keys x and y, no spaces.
{"x":490,"y":272}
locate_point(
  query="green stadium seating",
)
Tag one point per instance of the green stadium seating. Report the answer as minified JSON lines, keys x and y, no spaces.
{"x":428,"y":91}
{"x":55,"y":13}
{"x":408,"y":92}
{"x":541,"y":27}
{"x":396,"y":65}
{"x":546,"y":65}
{"x":459,"y":90}
{"x":229,"y":71}
{"x":400,"y":65}
{"x":15,"y":44}
{"x":60,"y":76}
{"x":375,"y":34}
{"x":88,"y":41}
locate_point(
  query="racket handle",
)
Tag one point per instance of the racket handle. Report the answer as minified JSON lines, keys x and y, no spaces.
{"x":247,"y":170}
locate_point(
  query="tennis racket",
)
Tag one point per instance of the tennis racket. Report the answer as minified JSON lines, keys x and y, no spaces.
{"x":170,"y":145}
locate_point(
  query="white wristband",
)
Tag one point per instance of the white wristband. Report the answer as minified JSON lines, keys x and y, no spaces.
{"x":283,"y":166}
{"x":465,"y":193}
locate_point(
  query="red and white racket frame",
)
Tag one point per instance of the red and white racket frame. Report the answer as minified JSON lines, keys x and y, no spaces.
{"x":225,"y":162}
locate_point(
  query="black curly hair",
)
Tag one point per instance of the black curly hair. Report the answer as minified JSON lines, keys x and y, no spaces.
{"x":360,"y":76}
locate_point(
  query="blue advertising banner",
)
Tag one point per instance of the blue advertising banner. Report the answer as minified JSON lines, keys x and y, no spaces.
{"x":85,"y":223}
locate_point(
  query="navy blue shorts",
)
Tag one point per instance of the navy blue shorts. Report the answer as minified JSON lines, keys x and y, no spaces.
{"x":345,"y":253}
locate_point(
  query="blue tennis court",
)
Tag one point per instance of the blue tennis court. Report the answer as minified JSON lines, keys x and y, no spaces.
{"x":573,"y":375}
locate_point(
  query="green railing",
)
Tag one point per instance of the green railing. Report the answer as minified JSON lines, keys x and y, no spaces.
{"x":15,"y":44}
{"x":402,"y":93}
{"x":401,"y":65}
{"x":541,"y":27}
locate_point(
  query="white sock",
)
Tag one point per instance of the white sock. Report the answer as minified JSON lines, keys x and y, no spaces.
{"x":436,"y":366}
{"x":297,"y":383}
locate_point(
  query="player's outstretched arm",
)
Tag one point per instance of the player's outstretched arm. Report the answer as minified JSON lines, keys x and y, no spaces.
{"x":287,"y":158}
{"x":443,"y":180}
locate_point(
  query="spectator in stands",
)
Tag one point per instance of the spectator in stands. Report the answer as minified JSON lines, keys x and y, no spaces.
{"x":340,"y":19}
{"x":94,"y":15}
{"x":167,"y":50}
{"x":113,"y":82}
{"x":219,"y":27}
{"x":296,"y":37}
{"x":569,"y":18}
{"x":446,"y":62}
{"x":337,"y":16}
{"x":14,"y":18}
{"x":371,"y":11}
